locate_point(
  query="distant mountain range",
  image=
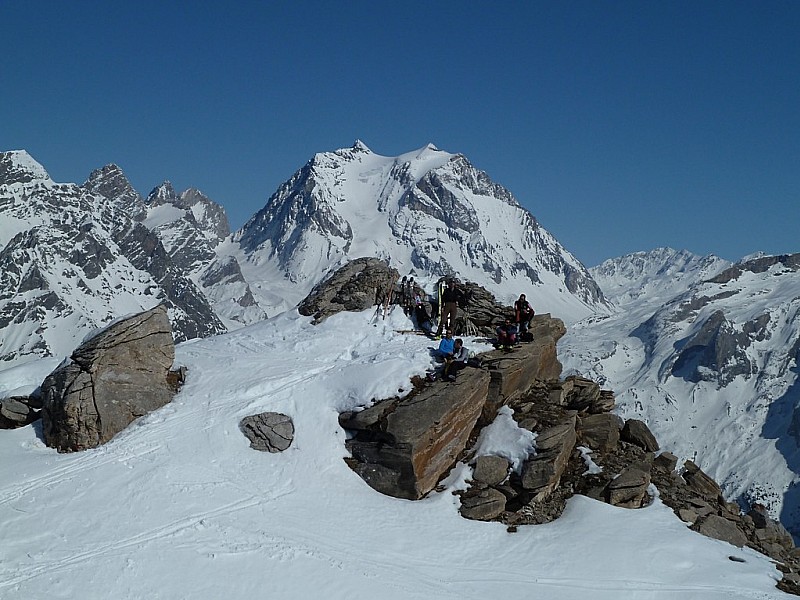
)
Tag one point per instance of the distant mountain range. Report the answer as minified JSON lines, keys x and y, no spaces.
{"x":77,"y":256}
{"x":705,"y":351}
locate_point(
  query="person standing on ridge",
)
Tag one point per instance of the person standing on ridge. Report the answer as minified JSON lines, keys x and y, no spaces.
{"x":450,"y":300}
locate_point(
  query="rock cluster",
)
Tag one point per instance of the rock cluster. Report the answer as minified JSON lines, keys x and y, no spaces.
{"x":356,"y":286}
{"x":404,"y":447}
{"x":18,"y":411}
{"x":120,"y":374}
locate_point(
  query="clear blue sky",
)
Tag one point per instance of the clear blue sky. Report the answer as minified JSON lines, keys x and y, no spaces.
{"x":621,"y":126}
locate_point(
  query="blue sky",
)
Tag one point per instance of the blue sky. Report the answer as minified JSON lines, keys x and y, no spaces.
{"x":622,"y":126}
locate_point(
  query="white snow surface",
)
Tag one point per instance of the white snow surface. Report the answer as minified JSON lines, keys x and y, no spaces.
{"x":179,"y":506}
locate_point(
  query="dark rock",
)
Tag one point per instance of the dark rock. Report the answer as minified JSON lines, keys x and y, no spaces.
{"x":113,"y":378}
{"x":637,"y":432}
{"x":268,"y":431}
{"x":16,"y":411}
{"x":699,"y":481}
{"x":666,"y":461}
{"x":629,"y":489}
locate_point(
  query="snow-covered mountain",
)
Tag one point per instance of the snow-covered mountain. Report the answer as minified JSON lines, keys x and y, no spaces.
{"x":192,"y":228}
{"x":707,"y":353}
{"x":429,"y":212}
{"x":72,"y":260}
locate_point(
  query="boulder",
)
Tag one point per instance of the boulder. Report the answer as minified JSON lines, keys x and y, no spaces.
{"x":357,"y":286}
{"x":403,"y":447}
{"x":482,"y":504}
{"x":697,"y":480}
{"x":666,"y":461}
{"x":491,"y":470}
{"x":637,"y":432}
{"x":268,"y":431}
{"x":16,"y":411}
{"x":721,"y":528}
{"x":113,"y":378}
{"x":629,"y":489}
{"x":542,"y":473}
{"x":600,"y":432}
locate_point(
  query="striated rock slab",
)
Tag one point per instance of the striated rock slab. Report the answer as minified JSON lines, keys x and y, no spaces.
{"x":403,"y":447}
{"x":120,"y":374}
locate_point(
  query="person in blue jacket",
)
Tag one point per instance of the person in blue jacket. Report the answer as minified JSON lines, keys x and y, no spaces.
{"x":446,"y":345}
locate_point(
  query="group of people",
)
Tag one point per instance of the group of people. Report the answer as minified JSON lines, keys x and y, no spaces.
{"x":510,"y":331}
{"x":452,"y":351}
{"x":454,"y":354}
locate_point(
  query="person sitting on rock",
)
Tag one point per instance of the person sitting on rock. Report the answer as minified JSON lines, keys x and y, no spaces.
{"x":446,"y":345}
{"x":456,"y":361}
{"x":424,"y":320}
{"x":523,"y":313}
{"x":506,"y":335}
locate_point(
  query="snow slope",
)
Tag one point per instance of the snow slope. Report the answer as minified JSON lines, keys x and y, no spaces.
{"x":178,"y":505}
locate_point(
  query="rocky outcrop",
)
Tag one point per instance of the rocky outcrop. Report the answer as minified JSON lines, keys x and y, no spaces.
{"x":354,"y":287}
{"x":403,"y":447}
{"x":120,"y":374}
{"x":268,"y":432}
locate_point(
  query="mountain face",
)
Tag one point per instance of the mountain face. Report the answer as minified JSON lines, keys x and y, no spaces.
{"x":429,"y":213}
{"x":712,"y":367}
{"x":72,"y":261}
{"x":192,"y":227}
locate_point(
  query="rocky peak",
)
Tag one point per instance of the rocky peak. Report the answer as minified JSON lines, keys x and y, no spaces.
{"x":162,"y":194}
{"x":17,"y":166}
{"x":789,"y":262}
{"x":112,"y":183}
{"x":209,"y":216}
